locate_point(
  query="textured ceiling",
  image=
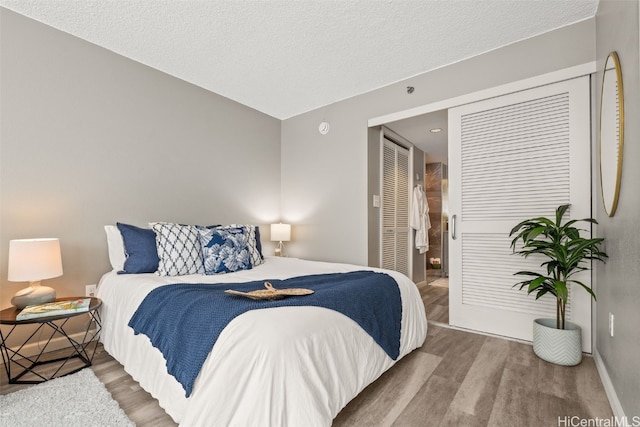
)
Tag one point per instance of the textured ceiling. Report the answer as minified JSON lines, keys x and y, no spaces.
{"x":286,"y":57}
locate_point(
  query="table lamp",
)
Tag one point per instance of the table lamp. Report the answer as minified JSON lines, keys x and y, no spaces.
{"x":280,"y":233}
{"x":33,"y":260}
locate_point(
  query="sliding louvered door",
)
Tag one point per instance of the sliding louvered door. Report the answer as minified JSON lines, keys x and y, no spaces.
{"x":395,"y":207}
{"x":511,"y":158}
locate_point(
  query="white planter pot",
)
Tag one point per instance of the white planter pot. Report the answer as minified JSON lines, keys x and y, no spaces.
{"x":559,"y":346}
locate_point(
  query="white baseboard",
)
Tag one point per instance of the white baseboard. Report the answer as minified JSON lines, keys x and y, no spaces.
{"x":616,"y":407}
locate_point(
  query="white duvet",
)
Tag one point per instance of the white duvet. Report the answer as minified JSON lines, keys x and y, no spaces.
{"x":286,"y":366}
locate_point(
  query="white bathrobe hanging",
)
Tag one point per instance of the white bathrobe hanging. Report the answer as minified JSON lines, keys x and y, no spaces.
{"x":419,"y":219}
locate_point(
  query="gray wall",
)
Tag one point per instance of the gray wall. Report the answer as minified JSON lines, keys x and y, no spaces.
{"x":90,"y":138}
{"x":325,"y":178}
{"x":617,"y":284}
{"x":373,"y":187}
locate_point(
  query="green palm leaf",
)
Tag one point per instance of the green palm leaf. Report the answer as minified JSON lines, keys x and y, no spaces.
{"x":564,"y":251}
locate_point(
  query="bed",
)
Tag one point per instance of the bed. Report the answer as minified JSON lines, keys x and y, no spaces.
{"x":285,"y":366}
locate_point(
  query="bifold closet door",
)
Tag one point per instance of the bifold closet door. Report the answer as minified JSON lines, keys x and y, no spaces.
{"x":511,"y":158}
{"x":395,"y":207}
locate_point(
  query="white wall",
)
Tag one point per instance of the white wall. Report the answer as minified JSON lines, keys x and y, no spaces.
{"x":89,"y":138}
{"x":324,"y":178}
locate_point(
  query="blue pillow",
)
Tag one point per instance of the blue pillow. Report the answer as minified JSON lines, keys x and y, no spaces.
{"x":258,"y":242}
{"x":224,"y":249}
{"x":140,"y":249}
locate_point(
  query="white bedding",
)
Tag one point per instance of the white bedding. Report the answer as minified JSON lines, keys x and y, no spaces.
{"x":287,"y":366}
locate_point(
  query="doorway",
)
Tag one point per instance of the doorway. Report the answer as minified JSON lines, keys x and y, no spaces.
{"x":429,"y":133}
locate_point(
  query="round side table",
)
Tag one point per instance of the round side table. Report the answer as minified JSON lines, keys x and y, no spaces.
{"x":23,"y":367}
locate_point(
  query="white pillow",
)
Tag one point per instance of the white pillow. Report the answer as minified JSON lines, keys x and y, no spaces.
{"x":116,"y":247}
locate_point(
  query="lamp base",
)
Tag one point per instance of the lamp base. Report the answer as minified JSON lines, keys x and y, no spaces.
{"x":279,"y":249}
{"x":33,"y":295}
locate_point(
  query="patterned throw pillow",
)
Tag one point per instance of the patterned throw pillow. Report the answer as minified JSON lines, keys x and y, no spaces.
{"x":224,"y":249}
{"x":253,"y":242}
{"x":179,"y":249}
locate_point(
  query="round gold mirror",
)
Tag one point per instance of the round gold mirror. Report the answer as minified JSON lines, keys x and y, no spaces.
{"x":611,"y":132}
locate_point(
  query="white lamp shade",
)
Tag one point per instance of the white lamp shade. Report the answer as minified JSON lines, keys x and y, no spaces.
{"x":31,"y":260}
{"x":280,"y":232}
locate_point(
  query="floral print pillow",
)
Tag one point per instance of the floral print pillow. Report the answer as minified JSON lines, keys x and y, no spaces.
{"x":224,"y":249}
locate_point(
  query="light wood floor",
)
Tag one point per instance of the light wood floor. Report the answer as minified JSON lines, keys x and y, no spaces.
{"x":456,"y":378}
{"x":436,"y":302}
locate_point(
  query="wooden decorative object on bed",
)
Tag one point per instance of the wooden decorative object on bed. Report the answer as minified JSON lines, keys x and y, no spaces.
{"x":271,"y":292}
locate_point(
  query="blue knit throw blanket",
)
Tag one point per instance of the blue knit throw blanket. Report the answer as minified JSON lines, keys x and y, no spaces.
{"x":184,"y":320}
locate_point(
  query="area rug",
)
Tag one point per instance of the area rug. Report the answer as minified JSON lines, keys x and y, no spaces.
{"x":78,"y":400}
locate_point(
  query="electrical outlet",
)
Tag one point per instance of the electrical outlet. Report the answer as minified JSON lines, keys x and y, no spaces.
{"x":90,"y":290}
{"x":611,"y":324}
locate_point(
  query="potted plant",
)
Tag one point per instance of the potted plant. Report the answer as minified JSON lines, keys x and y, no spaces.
{"x":566,"y":253}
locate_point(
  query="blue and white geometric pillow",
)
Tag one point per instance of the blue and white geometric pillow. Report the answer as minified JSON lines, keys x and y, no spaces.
{"x":253,"y":243}
{"x":224,"y":249}
{"x":179,"y":249}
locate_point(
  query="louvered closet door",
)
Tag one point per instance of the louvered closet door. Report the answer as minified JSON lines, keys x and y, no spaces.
{"x":395,"y":207}
{"x":512,"y":158}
